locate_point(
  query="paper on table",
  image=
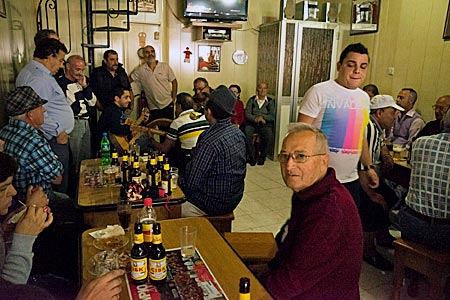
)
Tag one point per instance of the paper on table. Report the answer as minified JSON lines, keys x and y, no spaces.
{"x":109,"y":231}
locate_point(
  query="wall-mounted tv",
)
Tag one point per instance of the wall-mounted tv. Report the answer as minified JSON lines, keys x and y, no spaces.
{"x":216,"y":10}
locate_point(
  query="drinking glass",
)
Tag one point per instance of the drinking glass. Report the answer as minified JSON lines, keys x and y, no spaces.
{"x":124,"y":213}
{"x":188,"y":236}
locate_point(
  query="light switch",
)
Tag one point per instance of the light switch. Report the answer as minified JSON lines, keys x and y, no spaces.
{"x":391,"y":71}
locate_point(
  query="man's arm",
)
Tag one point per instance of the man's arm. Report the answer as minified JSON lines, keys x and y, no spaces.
{"x":305,"y":118}
{"x":371,"y":179}
{"x":174,"y":89}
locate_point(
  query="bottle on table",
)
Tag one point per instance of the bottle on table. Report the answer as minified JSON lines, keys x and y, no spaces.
{"x":125,"y":167}
{"x":147,"y":217}
{"x":157,"y":259}
{"x":160,"y":165}
{"x":166,"y":181}
{"x":139,"y":260}
{"x":152,"y":173}
{"x":136,"y":172}
{"x":105,"y":148}
{"x":244,"y":288}
{"x":115,"y":157}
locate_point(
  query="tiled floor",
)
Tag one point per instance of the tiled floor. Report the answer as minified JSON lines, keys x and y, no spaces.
{"x":266,"y":206}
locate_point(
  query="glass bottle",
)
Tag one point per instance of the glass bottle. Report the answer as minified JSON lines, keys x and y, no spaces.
{"x":166,"y":181}
{"x":139,"y":254}
{"x":105,"y":148}
{"x":136,"y":173}
{"x":125,"y":168}
{"x":147,"y":216}
{"x":157,"y":257}
{"x":244,"y":288}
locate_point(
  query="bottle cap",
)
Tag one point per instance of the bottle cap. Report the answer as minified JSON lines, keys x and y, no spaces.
{"x":161,"y":193}
{"x":105,"y":133}
{"x":148,"y":202}
{"x":244,"y":285}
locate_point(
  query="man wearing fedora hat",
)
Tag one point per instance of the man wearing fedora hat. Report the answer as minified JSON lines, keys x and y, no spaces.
{"x":214,"y":182}
{"x":375,"y":203}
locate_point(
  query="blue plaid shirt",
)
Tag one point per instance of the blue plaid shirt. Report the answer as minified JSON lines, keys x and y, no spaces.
{"x":429,"y":188}
{"x":38,"y":165}
{"x":214,"y":179}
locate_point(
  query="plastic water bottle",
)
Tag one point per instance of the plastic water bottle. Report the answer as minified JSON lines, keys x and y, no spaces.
{"x":105,"y":148}
{"x":147,"y":216}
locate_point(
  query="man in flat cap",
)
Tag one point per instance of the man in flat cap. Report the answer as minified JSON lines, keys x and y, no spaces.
{"x":38,"y":164}
{"x":214,"y":182}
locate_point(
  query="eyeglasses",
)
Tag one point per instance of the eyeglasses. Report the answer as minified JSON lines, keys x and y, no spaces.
{"x":298,"y":157}
{"x":440,"y":108}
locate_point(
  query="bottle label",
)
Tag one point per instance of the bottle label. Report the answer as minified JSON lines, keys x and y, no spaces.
{"x":139,"y":269}
{"x":158,"y":269}
{"x":136,"y":179}
{"x":138,"y":238}
{"x":165,"y":186}
{"x":157,"y":178}
{"x":114,"y":155}
{"x":157,"y":239}
{"x":245,"y":296}
{"x":147,"y":231}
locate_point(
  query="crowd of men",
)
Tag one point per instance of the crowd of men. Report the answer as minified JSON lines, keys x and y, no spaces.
{"x":334,"y":160}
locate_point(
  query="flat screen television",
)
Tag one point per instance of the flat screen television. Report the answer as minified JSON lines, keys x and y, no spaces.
{"x":216,"y":10}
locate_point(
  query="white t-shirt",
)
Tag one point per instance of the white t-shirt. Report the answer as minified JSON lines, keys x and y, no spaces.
{"x":342,"y":114}
{"x":157,"y":84}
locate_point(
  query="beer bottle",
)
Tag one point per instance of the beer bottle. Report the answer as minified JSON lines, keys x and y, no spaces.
{"x":139,"y":254}
{"x":133,"y":155}
{"x":166,"y":182}
{"x":136,"y":173}
{"x":125,"y":168}
{"x":157,"y":257}
{"x":244,"y":288}
{"x":160,"y":166}
{"x":114,"y":157}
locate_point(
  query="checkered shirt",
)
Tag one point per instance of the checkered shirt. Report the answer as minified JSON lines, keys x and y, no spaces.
{"x":429,"y":191}
{"x":38,"y":165}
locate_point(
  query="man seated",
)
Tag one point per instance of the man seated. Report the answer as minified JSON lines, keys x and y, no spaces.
{"x":426,"y":217}
{"x":185,"y":129}
{"x":320,"y":253}
{"x":408,"y":123}
{"x":214,"y":181}
{"x":375,"y":203}
{"x":440,"y":108}
{"x":259,"y":118}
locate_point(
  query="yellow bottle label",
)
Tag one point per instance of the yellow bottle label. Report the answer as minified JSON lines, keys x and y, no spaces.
{"x":165,"y":186}
{"x":139,"y":268}
{"x":158,"y":269}
{"x":245,"y":296}
{"x":136,"y":164}
{"x":158,"y":177}
{"x":138,"y":238}
{"x":114,"y":155}
{"x":147,"y":231}
{"x":157,"y":239}
{"x":125,"y":158}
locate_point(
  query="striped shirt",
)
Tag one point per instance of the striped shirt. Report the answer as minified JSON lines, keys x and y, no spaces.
{"x":38,"y":165}
{"x":429,"y":190}
{"x":186,"y":129}
{"x":374,"y":136}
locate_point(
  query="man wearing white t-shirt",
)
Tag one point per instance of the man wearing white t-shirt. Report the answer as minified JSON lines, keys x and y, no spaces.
{"x":341,"y":110}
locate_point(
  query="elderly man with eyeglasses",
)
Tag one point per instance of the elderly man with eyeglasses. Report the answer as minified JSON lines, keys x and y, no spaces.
{"x":440,"y":108}
{"x":320,"y":248}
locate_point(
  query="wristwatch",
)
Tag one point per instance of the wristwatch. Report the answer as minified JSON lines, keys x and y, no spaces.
{"x":367,"y":168}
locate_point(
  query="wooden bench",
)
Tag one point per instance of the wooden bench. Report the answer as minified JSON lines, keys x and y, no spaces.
{"x":222,"y":223}
{"x":435,"y":264}
{"x":252,"y":247}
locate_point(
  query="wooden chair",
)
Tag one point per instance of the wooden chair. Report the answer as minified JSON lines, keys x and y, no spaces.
{"x":435,"y":264}
{"x":252,"y":247}
{"x":222,"y":223}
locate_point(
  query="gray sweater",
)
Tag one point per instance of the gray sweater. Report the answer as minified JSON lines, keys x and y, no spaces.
{"x":15,"y":266}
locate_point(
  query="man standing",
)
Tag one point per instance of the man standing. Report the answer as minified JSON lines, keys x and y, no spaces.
{"x":426,"y":217}
{"x":214,"y":182}
{"x":259,"y":118}
{"x":319,"y":256}
{"x":81,"y":99}
{"x":341,"y":110}
{"x":159,"y":84}
{"x":440,"y":108}
{"x":407,"y":124}
{"x":38,"y":74}
{"x":375,"y":203}
{"x":108,"y":76}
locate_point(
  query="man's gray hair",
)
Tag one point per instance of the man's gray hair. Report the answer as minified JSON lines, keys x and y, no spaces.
{"x":321,"y":139}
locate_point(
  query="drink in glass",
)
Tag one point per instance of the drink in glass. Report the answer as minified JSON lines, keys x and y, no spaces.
{"x":124,"y":213}
{"x":188,"y":236}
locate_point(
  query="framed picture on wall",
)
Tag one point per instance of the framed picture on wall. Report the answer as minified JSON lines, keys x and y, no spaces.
{"x":446,"y":35}
{"x":2,"y":9}
{"x":146,"y":6}
{"x":208,"y":58}
{"x":365,"y":16}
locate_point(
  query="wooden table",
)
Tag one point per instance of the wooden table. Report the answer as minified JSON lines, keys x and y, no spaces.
{"x":98,"y":205}
{"x":222,"y":261}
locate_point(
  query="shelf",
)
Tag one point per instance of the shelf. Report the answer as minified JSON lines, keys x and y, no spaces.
{"x":213,"y":32}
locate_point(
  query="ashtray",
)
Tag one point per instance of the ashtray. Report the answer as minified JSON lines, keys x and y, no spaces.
{"x":111,"y":243}
{"x":102,"y":263}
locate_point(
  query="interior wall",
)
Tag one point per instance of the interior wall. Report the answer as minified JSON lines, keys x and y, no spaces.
{"x":410,"y":40}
